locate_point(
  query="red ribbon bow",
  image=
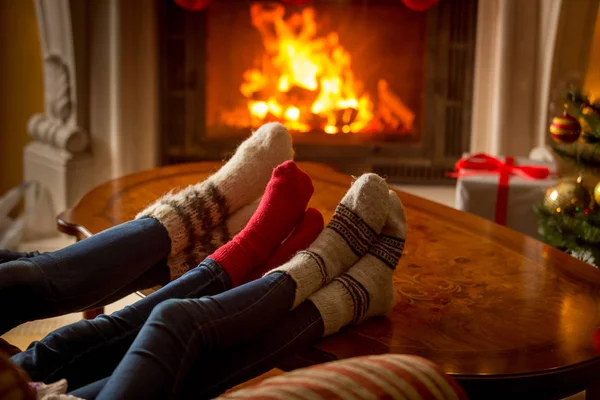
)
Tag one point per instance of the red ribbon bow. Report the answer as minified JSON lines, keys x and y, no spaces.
{"x":481,"y":164}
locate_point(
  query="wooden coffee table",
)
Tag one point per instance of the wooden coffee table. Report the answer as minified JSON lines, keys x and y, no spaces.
{"x":506,"y":315}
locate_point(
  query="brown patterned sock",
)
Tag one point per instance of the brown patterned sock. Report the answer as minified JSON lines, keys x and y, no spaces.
{"x":182,"y":262}
{"x":366,"y":289}
{"x":357,"y":221}
{"x":191,"y":214}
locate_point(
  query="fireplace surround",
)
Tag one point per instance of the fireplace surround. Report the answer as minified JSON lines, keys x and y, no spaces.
{"x":102,"y":116}
{"x":414,"y":70}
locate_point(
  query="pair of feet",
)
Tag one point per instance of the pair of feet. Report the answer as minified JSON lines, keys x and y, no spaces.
{"x":346,"y":270}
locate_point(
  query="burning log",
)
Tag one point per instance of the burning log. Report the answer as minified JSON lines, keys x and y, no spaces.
{"x":298,"y":95}
{"x":317,"y":121}
{"x":392,"y":104}
{"x":390,"y":122}
{"x":345,"y":116}
{"x":260,"y":95}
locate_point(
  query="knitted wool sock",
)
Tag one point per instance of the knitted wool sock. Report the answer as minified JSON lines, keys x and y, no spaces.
{"x":280,"y":209}
{"x":366,"y":289}
{"x":190,"y":215}
{"x":182,"y":262}
{"x":301,"y":237}
{"x":357,"y":221}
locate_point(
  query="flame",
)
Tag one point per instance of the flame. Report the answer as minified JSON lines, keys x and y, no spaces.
{"x":304,"y":81}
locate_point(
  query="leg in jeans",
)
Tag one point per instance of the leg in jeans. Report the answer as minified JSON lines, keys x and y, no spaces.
{"x":365,"y":290}
{"x":295,"y":331}
{"x":70,"y":352}
{"x":89,"y":273}
{"x":194,"y":352}
{"x":89,"y":350}
{"x":213,"y":375}
{"x":178,"y":333}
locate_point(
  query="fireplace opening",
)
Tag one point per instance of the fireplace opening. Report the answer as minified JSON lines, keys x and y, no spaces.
{"x":362,"y":85}
{"x":319,"y":70}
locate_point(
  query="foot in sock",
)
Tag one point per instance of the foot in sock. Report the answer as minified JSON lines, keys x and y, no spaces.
{"x":366,"y":289}
{"x":185,"y":261}
{"x":279,"y":211}
{"x":191,"y":214}
{"x":357,"y":221}
{"x":302,"y":236}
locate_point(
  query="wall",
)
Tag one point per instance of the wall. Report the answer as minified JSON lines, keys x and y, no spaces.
{"x":592,"y":78}
{"x":21,"y":85}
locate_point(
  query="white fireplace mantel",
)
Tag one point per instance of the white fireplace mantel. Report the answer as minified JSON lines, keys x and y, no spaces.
{"x":99,"y":119}
{"x":101,"y":93}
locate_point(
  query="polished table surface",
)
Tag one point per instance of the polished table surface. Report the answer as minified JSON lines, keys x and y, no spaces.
{"x":496,"y":309}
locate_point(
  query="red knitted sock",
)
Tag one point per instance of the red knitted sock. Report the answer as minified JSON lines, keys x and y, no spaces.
{"x":303,"y":235}
{"x":280,"y":209}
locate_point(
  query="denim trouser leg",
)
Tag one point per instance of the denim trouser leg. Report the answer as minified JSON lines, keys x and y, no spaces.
{"x":88,"y":350}
{"x":295,"y":331}
{"x":222,"y":370}
{"x":89,"y":273}
{"x":180,"y":333}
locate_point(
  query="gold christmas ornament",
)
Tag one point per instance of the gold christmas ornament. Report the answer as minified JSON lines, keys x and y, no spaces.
{"x":568,"y":197}
{"x":597,"y":194}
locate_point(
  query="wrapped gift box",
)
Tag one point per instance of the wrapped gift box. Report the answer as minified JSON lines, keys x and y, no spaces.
{"x":477,"y":193}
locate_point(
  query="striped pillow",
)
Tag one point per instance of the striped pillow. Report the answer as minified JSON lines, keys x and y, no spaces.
{"x":389,"y":376}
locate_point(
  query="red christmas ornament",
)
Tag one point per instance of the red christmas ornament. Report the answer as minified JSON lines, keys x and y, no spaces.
{"x":565,"y":128}
{"x":296,"y":2}
{"x":420,"y":5}
{"x":193,"y":5}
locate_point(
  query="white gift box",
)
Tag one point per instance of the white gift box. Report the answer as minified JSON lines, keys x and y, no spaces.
{"x":478,"y":194}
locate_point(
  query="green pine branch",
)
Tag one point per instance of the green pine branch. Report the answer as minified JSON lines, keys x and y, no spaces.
{"x":577,"y":233}
{"x":585,"y":156}
{"x":580,"y":100}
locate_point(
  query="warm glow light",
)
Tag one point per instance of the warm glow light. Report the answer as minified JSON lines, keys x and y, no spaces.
{"x":275,"y":108}
{"x":331,"y":130}
{"x":292,"y":113}
{"x":259,"y":109}
{"x":554,"y":195}
{"x":303,"y":71}
{"x":284,"y":84}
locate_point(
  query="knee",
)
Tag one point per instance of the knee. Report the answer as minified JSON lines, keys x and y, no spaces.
{"x":167,"y":311}
{"x":20,"y":276}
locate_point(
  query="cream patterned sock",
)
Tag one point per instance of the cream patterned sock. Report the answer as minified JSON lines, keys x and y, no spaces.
{"x":191,"y":214}
{"x":366,"y":289}
{"x":182,"y":262}
{"x":357,"y":221}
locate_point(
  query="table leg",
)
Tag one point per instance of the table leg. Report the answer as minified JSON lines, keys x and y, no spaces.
{"x":592,"y":392}
{"x":91,"y":314}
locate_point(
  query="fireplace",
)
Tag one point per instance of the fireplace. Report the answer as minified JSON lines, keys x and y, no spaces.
{"x":102,"y":60}
{"x":364,"y":85}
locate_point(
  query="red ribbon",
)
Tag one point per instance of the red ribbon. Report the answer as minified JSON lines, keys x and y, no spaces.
{"x":481,"y":164}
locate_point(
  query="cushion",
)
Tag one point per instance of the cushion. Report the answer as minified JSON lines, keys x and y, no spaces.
{"x":389,"y":376}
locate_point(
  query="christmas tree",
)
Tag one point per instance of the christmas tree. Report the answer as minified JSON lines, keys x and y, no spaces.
{"x":568,"y":218}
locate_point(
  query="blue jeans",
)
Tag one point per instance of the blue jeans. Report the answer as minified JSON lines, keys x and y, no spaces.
{"x":185,"y":346}
{"x":217,"y":372}
{"x":86,"y":275}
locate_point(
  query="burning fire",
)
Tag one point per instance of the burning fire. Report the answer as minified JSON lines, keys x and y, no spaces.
{"x":304,"y":81}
